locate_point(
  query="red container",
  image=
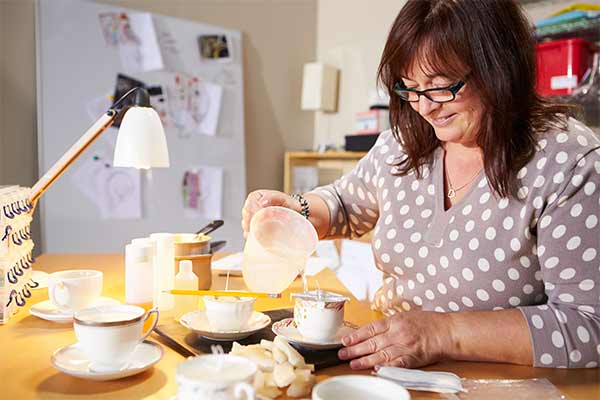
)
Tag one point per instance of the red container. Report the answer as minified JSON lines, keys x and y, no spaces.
{"x":561,"y":65}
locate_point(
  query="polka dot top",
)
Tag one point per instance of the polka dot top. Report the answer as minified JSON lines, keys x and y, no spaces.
{"x":537,"y":252}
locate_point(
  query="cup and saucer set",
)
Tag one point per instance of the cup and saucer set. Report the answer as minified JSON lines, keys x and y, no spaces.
{"x":110,"y":341}
{"x":68,"y":291}
{"x":318,"y":322}
{"x":225,"y":318}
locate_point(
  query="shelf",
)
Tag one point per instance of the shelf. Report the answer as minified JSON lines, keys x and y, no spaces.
{"x":588,"y":31}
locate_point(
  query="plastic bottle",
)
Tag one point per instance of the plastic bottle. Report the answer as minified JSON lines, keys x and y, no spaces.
{"x":139,"y":280}
{"x":164,"y":270}
{"x":185,"y":280}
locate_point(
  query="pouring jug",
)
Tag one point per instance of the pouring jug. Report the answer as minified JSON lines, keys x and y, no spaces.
{"x":279,"y":243}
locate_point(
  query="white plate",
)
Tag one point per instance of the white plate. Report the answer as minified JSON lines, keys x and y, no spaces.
{"x":286,"y":328}
{"x":359,"y":387}
{"x":197,"y":322}
{"x":72,"y":361}
{"x":48,"y":311}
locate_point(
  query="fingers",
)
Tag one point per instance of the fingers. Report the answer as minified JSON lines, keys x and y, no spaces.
{"x":369,"y":346}
{"x":260,"y":199}
{"x":368,"y":331}
{"x":391,"y":355}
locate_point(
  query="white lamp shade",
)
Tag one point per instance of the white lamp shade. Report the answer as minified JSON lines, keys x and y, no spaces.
{"x":141,"y":142}
{"x":319,"y":87}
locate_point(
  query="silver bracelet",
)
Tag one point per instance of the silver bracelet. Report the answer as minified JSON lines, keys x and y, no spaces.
{"x":303,"y":203}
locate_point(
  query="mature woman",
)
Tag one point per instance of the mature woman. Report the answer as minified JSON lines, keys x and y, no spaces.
{"x":483,"y":200}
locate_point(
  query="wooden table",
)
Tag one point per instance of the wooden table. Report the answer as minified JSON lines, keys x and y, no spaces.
{"x":27,"y":343}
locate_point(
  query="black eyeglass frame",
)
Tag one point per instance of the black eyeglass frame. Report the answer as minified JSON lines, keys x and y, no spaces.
{"x":454,"y":89}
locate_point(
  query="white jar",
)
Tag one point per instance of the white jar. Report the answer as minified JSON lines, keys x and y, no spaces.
{"x":139,"y":274}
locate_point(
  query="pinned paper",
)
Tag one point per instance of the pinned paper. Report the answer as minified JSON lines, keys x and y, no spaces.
{"x":215,"y":48}
{"x":134,"y":35}
{"x":202,"y":192}
{"x":194,"y":105}
{"x":115,"y":191}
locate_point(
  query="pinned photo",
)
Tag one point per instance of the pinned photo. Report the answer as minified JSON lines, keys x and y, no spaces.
{"x":215,"y":48}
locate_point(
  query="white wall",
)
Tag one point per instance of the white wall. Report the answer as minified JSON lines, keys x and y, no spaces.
{"x":351,"y":35}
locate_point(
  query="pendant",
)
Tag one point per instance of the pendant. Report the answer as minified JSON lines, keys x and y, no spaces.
{"x":451,"y":193}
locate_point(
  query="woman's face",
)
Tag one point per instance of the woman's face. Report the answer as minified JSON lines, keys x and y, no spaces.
{"x":457,"y":121}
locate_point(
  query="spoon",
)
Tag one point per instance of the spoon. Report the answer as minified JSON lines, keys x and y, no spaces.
{"x":210,"y":227}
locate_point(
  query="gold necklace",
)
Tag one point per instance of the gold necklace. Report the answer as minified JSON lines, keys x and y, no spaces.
{"x":452,"y":191}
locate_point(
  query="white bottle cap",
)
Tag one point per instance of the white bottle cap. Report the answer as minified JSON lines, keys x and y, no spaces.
{"x":185,"y":266}
{"x":164,"y":240}
{"x":145,"y":241}
{"x":139,"y":253}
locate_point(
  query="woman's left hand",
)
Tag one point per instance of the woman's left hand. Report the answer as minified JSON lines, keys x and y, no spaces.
{"x":407,"y":340}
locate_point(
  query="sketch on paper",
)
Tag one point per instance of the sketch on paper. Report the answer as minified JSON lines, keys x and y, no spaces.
{"x":116,"y":29}
{"x":215,"y":48}
{"x":202,"y":192}
{"x":194,"y":105}
{"x":135,"y":37}
{"x":114,"y":191}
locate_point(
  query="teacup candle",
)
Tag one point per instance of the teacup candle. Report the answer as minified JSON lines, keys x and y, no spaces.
{"x":319,"y":314}
{"x":225,"y":313}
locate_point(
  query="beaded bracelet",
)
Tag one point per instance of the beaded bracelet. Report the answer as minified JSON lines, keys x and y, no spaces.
{"x":303,"y":203}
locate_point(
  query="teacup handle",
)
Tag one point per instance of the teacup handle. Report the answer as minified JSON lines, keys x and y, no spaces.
{"x":65,"y":295}
{"x":244,"y":388}
{"x":152,"y":311}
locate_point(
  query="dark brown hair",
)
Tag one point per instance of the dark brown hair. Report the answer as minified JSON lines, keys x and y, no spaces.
{"x":491,"y":41}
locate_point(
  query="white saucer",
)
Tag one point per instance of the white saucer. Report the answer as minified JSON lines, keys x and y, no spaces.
{"x":72,"y":361}
{"x":197,"y":322}
{"x":286,"y":328}
{"x":48,"y":311}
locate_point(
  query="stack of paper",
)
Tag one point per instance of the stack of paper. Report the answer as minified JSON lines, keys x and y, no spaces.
{"x":15,"y":250}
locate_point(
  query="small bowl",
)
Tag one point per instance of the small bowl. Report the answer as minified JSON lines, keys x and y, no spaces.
{"x":358,"y":387}
{"x":228,"y":314}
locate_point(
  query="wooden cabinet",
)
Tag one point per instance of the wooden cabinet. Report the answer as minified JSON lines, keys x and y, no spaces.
{"x":304,"y":170}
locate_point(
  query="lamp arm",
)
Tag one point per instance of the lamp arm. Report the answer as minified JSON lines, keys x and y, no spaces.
{"x":71,"y":155}
{"x":106,"y":120}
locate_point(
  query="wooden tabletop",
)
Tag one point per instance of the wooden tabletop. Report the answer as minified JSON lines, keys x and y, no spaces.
{"x":27,"y":343}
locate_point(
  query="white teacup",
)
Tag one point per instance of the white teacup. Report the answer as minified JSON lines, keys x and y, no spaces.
{"x":108,"y":335}
{"x":318,"y":314}
{"x":74,"y":289}
{"x":228,"y":313}
{"x":216,"y":377}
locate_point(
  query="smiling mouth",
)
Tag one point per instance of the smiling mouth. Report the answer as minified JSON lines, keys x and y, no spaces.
{"x":440,"y":121}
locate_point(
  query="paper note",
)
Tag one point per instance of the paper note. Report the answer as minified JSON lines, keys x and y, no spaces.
{"x":215,"y":48}
{"x":194,"y":105}
{"x":135,"y":37}
{"x":114,"y":191}
{"x":202,"y":192}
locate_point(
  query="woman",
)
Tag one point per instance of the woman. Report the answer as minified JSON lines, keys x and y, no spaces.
{"x":483,"y":200}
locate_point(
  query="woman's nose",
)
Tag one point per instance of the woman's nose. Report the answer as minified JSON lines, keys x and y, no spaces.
{"x":427,"y":106}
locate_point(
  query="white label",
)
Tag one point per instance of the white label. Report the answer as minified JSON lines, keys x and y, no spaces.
{"x":563,"y":82}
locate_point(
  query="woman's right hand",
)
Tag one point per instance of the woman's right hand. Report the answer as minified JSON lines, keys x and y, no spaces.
{"x":265,"y":198}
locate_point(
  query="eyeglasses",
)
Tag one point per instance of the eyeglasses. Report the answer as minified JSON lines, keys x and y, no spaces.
{"x":437,"y":95}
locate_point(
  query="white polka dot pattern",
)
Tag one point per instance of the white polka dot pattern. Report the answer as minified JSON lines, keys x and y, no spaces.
{"x":538,"y":251}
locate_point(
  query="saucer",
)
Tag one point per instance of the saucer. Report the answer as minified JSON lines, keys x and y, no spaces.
{"x":286,"y":328}
{"x":48,"y":311}
{"x":72,"y":361}
{"x":197,"y":322}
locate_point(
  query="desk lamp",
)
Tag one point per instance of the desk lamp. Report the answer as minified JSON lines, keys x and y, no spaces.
{"x":141,"y":141}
